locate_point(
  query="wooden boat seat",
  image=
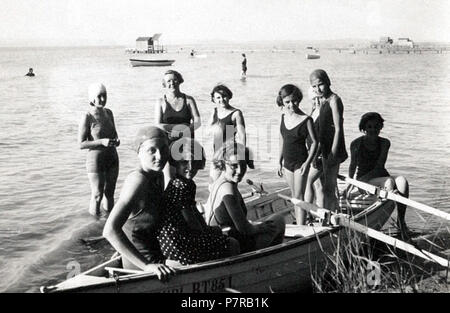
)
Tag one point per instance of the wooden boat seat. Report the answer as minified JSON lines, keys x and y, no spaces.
{"x":295,"y":231}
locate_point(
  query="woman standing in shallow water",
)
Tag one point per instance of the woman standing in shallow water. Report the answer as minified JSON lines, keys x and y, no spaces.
{"x":226,"y":122}
{"x":295,"y":159}
{"x":97,"y":132}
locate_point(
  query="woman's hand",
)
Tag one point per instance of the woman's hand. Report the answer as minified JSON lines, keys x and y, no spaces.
{"x":106,"y":142}
{"x":161,"y":270}
{"x":304,"y":168}
{"x":280,"y":171}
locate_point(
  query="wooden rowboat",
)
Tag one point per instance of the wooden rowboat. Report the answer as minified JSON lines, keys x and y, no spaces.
{"x":140,"y":62}
{"x":285,"y":267}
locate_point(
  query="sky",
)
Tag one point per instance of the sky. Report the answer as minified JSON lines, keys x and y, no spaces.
{"x":120,"y":22}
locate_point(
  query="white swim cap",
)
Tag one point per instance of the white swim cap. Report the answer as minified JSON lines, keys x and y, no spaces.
{"x":94,"y":90}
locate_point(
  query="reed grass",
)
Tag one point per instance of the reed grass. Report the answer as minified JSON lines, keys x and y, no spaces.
{"x":361,"y":265}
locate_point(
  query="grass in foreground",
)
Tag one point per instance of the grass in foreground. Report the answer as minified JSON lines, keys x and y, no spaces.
{"x":360,"y":265}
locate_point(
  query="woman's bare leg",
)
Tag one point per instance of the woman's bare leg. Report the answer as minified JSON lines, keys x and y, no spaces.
{"x":97,"y":182}
{"x":110,"y":188}
{"x":330,"y":172}
{"x":299,"y":193}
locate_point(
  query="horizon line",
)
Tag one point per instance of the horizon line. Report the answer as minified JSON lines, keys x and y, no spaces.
{"x":206,"y":41}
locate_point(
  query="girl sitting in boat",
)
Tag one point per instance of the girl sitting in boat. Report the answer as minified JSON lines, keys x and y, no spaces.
{"x":226,"y":122}
{"x":331,"y":135}
{"x":227,"y":208}
{"x":176,"y":112}
{"x":183,"y":234}
{"x":97,"y":132}
{"x":132,"y":224}
{"x":368,"y":159}
{"x":295,"y":159}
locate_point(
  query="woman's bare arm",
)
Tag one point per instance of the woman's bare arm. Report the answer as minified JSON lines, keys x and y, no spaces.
{"x":122,"y":209}
{"x":196,"y":123}
{"x":314,"y":143}
{"x":335,"y":104}
{"x":240,"y":127}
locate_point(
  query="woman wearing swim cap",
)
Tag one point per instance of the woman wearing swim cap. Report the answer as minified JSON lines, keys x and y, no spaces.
{"x":331,"y":134}
{"x":132,"y":224}
{"x":97,"y":132}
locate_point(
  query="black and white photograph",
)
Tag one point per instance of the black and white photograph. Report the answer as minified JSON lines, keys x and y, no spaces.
{"x":255,"y":147}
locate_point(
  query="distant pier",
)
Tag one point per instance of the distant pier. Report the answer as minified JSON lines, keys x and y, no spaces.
{"x":394,"y":50}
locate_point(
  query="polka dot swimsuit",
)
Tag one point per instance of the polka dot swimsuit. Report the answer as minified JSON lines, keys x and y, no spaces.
{"x":179,"y":242}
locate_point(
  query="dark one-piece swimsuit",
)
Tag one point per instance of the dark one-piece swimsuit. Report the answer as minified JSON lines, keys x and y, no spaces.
{"x":295,"y":152}
{"x":227,"y":130}
{"x":170,"y":116}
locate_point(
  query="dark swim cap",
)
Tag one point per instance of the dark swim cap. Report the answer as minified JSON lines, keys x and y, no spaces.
{"x":320,"y":74}
{"x":146,"y":133}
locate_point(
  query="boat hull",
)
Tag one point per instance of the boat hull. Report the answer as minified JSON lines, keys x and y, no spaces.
{"x":312,"y":56}
{"x":285,"y":267}
{"x":137,"y":62}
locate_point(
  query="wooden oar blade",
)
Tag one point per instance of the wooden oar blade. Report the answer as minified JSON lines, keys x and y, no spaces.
{"x":308,"y":207}
{"x":420,"y":206}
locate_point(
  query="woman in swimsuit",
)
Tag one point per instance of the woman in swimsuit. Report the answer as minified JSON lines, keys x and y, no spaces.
{"x":227,"y":208}
{"x":295,"y":127}
{"x":330,"y":136}
{"x":132,"y":225}
{"x":176,"y":112}
{"x":227,"y":123}
{"x":97,"y":132}
{"x":368,"y":159}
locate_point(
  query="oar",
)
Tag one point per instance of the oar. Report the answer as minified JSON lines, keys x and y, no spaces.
{"x":308,"y":207}
{"x":395,"y":197}
{"x":345,"y":221}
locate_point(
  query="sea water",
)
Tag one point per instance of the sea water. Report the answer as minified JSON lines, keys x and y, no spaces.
{"x":44,"y":190}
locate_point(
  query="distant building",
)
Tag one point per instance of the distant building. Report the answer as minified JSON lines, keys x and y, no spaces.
{"x":388,"y":43}
{"x":149,"y":44}
{"x":384,"y":42}
{"x":404,"y":42}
